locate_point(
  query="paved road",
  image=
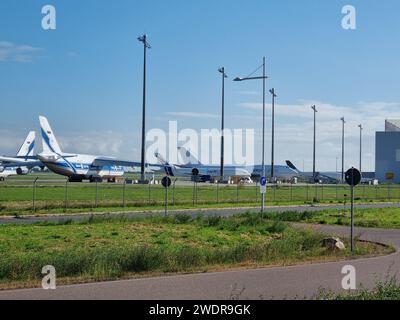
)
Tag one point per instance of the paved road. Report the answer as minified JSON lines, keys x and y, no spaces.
{"x":192,"y":212}
{"x":267,"y":283}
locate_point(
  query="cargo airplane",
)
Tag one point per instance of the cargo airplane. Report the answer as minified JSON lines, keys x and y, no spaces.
{"x":320,"y":177}
{"x":77,"y":167}
{"x":23,"y":162}
{"x":281,"y":173}
{"x":194,"y":167}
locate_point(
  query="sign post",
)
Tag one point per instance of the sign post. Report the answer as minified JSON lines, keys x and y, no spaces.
{"x":263,"y":190}
{"x":195,"y":174}
{"x":353,"y":178}
{"x":166,"y":183}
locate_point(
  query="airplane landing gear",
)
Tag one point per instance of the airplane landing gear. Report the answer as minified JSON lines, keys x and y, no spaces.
{"x":75,"y":179}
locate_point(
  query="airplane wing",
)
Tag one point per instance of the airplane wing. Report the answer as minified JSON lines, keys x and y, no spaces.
{"x":28,"y":164}
{"x":104,"y":161}
{"x":98,"y":162}
{"x":16,"y":159}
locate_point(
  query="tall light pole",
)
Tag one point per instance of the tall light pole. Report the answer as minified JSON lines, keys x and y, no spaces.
{"x":314,"y":143}
{"x":343,"y":122}
{"x":361,"y":129}
{"x":224,"y":76}
{"x":272,"y":91}
{"x":263,"y":78}
{"x":146,"y":46}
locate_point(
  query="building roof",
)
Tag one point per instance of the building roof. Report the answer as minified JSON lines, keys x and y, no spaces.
{"x":392,"y":125}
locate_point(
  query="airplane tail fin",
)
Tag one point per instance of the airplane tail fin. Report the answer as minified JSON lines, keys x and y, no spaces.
{"x":292,"y":166}
{"x":169,"y":170}
{"x":160,"y":159}
{"x":49,"y":141}
{"x":28,"y":146}
{"x":187,"y":157}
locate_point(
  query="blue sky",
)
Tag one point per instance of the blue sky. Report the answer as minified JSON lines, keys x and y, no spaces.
{"x":86,"y":76}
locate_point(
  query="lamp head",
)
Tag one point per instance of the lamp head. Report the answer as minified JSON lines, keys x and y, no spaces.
{"x":222,"y":70}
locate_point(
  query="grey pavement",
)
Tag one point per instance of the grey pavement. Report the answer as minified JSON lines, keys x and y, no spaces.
{"x":193,"y":212}
{"x":289,"y":282}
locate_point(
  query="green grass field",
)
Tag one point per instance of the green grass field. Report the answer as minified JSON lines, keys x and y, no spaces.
{"x":369,"y":218}
{"x":387,"y":289}
{"x":18,"y":196}
{"x":99,"y":249}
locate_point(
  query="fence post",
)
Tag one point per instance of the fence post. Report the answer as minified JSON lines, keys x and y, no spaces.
{"x":194,"y":189}
{"x":34,"y":195}
{"x":149,"y":193}
{"x":123,"y":194}
{"x":307,"y":192}
{"x":291,"y":192}
{"x":97,"y":195}
{"x":337,"y":193}
{"x":316,"y":192}
{"x":237,"y":193}
{"x":389,"y":191}
{"x":274,"y":186}
{"x":166,"y":201}
{"x":217,"y":191}
{"x":173,"y":193}
{"x":66,"y":196}
{"x":256,"y":192}
{"x":322,"y":192}
{"x":196,"y":192}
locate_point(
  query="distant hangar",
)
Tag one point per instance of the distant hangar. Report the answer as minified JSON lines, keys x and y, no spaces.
{"x":387,"y":153}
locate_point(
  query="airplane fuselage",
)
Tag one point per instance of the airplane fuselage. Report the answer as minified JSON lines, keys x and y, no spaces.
{"x":280,"y":172}
{"x":211,"y":171}
{"x":79,"y":166}
{"x":12,"y":171}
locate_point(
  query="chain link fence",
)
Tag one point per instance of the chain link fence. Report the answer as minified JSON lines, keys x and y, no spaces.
{"x":61,"y":195}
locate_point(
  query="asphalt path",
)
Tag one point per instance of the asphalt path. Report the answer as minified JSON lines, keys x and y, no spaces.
{"x":291,"y":282}
{"x":223,"y":212}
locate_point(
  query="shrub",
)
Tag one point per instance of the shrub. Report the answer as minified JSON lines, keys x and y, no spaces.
{"x":182,"y":218}
{"x":212,"y":221}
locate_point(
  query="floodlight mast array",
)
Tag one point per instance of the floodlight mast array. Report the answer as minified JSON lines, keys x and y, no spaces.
{"x":263,"y":78}
{"x":224,"y":76}
{"x":343,"y":123}
{"x":361,"y":129}
{"x":274,"y":95}
{"x":314,"y":141}
{"x":146,"y":46}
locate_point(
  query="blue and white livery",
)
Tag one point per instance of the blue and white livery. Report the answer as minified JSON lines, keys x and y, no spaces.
{"x":78,"y":167}
{"x":193,"y":166}
{"x":22,"y":162}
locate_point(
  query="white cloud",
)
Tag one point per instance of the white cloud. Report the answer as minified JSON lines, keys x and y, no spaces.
{"x":108,"y":143}
{"x":294,"y":134}
{"x":10,"y":141}
{"x":192,"y":114}
{"x":18,"y":53}
{"x":294,"y":131}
